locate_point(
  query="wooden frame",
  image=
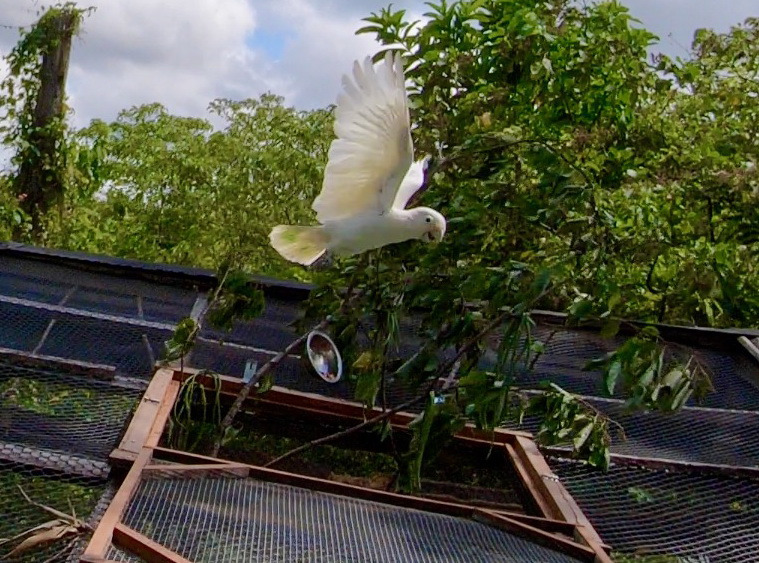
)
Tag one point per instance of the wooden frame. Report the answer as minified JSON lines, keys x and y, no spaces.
{"x":559,"y":524}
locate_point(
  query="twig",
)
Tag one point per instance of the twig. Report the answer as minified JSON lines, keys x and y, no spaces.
{"x":444,"y":369}
{"x":246,"y":389}
{"x":268,"y":366}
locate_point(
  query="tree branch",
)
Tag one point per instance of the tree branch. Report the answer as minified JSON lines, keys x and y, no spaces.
{"x":444,"y":369}
{"x":246,"y":389}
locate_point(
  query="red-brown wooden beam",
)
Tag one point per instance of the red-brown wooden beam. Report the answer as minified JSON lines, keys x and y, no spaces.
{"x":133,"y":541}
{"x":103,"y":534}
{"x":154,"y":404}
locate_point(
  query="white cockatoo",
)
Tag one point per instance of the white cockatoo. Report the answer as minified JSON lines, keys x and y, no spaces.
{"x":370,"y":176}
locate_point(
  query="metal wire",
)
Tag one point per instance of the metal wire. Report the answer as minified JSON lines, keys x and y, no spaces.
{"x":56,"y":432}
{"x":567,"y":351}
{"x":51,"y":488}
{"x":247,"y":520}
{"x":650,"y":512}
{"x":63,"y":413}
{"x":692,"y":434}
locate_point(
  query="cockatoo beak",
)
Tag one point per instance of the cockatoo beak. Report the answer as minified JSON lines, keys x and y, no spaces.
{"x":434,"y":235}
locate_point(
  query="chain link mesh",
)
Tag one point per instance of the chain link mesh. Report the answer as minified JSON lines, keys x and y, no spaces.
{"x":56,"y":432}
{"x":63,"y":492}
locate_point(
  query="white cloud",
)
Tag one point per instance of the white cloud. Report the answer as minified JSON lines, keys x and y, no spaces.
{"x":321,"y":48}
{"x":184,"y":54}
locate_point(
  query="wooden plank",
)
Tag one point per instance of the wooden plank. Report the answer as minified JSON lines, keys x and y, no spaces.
{"x":163,"y":414}
{"x":585,"y":535}
{"x":527,"y":477}
{"x":202,"y":469}
{"x":536,"y":535}
{"x":96,"y":371}
{"x":561,"y":503}
{"x":144,"y":417}
{"x":133,"y":541}
{"x":101,"y":537}
{"x":547,"y":524}
{"x":176,"y":456}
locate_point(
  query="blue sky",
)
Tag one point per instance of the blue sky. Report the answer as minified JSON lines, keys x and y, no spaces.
{"x":184,"y":54}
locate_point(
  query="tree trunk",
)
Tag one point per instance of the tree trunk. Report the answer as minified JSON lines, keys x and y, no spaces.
{"x":40,"y":181}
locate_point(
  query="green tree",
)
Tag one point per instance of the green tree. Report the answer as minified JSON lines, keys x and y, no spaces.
{"x":173,"y":189}
{"x":534,"y":112}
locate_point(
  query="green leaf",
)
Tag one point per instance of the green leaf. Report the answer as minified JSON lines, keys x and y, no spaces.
{"x":582,"y":436}
{"x":265,"y":383}
{"x":612,"y":375}
{"x":367,"y":387}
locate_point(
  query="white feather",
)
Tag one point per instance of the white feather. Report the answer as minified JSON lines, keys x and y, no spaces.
{"x":370,"y":176}
{"x":373,"y":150}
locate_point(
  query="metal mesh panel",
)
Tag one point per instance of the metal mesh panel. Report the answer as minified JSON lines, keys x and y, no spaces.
{"x":567,"y":351}
{"x":50,"y":488}
{"x":678,"y":513}
{"x":56,"y":432}
{"x":87,"y":316}
{"x":91,"y":291}
{"x":691,"y":435}
{"x":247,"y":520}
{"x":132,"y":349}
{"x":75,"y":416}
{"x":116,"y":554}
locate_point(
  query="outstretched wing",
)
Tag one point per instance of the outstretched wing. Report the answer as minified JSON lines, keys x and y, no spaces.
{"x":373,"y":150}
{"x":411,"y":183}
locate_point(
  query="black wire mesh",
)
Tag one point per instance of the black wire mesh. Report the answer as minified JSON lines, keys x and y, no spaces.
{"x":131,"y":348}
{"x":242,"y":520}
{"x":50,"y":488}
{"x":108,"y":493}
{"x":688,"y":514}
{"x":699,"y":435}
{"x":93,"y":291}
{"x":56,"y":432}
{"x":735,"y":377}
{"x":55,"y":411}
{"x":61,"y":311}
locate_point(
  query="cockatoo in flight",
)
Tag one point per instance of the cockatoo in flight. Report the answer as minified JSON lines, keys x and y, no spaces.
{"x":370,"y":176}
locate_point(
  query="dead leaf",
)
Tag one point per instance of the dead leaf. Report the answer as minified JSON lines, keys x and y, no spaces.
{"x":45,"y":526}
{"x":43,"y":537}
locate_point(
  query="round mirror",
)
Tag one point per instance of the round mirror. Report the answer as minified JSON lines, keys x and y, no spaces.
{"x":324,"y":357}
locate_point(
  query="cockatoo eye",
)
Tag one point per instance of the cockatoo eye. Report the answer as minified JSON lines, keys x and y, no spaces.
{"x":429,"y":219}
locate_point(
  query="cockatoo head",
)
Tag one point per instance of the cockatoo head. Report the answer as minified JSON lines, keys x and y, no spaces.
{"x":430,"y":224}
